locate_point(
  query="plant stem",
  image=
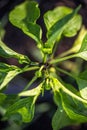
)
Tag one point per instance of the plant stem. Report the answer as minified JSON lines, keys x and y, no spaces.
{"x":65,"y":72}
{"x":30,"y":83}
{"x":45,"y":58}
{"x":57,"y":60}
{"x":30,"y":68}
{"x":65,"y":53}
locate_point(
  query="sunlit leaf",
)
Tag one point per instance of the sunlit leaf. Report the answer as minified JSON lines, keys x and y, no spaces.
{"x":73,"y":26}
{"x":78,"y":41}
{"x":7,"y":73}
{"x":82,"y":53}
{"x":77,"y":44}
{"x":6,"y":52}
{"x":82,"y":84}
{"x":24,"y":16}
{"x":32,"y":92}
{"x":58,"y":28}
{"x":51,"y":17}
{"x":68,"y":89}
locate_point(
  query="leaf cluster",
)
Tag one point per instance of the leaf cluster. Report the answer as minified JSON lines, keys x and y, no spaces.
{"x":60,"y":22}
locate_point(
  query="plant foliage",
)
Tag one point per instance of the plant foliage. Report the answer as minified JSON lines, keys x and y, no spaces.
{"x":71,"y":102}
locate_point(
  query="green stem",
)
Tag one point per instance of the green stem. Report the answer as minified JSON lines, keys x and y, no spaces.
{"x":45,"y":58}
{"x":30,"y":83}
{"x":30,"y":68}
{"x":57,"y":60}
{"x":54,"y":50}
{"x":65,"y":53}
{"x":34,"y":78}
{"x":65,"y":72}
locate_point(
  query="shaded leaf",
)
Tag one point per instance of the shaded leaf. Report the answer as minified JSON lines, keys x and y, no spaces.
{"x":61,"y":119}
{"x":24,"y":16}
{"x":75,"y":109}
{"x":6,"y":52}
{"x":24,"y":107}
{"x":2,"y":98}
{"x":9,"y":100}
{"x":6,"y":101}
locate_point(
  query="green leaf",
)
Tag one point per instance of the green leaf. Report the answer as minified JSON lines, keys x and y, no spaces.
{"x":51,"y":17}
{"x":25,"y":107}
{"x":24,"y":17}
{"x":8,"y":78}
{"x":60,"y":115}
{"x":82,"y":53}
{"x":9,"y":100}
{"x":5,"y":67}
{"x":2,"y":98}
{"x":61,"y":119}
{"x":75,"y":109}
{"x":73,"y":26}
{"x":7,"y":73}
{"x":32,"y":92}
{"x":6,"y":52}
{"x":55,"y":32}
{"x":77,"y":44}
{"x":5,"y":101}
{"x":67,"y":89}
{"x":82,"y":84}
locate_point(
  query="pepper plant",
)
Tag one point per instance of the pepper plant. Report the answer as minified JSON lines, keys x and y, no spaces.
{"x":71,"y":102}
